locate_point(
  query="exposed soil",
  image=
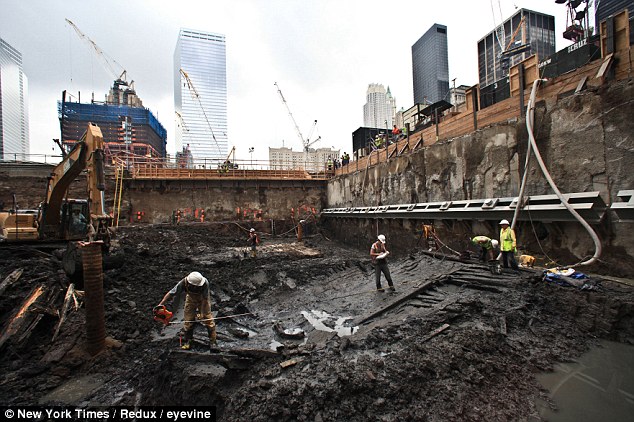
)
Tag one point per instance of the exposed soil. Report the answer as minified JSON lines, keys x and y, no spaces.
{"x":400,"y":364}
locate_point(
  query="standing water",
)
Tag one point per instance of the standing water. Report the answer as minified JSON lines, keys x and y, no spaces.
{"x":599,"y":386}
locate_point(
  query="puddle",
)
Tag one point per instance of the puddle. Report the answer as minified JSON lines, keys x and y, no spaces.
{"x":318,"y":320}
{"x":599,"y":386}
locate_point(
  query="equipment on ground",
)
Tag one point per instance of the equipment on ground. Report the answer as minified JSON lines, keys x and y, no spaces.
{"x":161,"y":314}
{"x":495,"y":267}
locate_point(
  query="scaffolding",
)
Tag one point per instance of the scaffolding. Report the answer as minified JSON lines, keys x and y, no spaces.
{"x":126,"y":130}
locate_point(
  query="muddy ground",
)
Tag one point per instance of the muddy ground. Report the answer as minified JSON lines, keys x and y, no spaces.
{"x":453,"y":342}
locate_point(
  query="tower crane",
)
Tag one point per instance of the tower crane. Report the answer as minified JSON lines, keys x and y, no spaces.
{"x":194,"y":94}
{"x":108,"y":61}
{"x":306,"y":143}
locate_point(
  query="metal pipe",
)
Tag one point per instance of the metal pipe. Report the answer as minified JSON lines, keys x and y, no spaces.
{"x":93,"y":286}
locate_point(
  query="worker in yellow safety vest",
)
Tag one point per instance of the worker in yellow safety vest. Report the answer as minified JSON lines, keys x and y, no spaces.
{"x":508,"y":245}
{"x":487,"y":245}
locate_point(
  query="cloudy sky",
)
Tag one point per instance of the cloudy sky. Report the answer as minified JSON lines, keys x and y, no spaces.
{"x":322,"y":53}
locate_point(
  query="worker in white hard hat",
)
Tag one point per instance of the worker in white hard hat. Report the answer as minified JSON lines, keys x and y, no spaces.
{"x":253,"y":241}
{"x":508,"y":245}
{"x":197,"y":301}
{"x":378,"y":254}
{"x":487,"y":246}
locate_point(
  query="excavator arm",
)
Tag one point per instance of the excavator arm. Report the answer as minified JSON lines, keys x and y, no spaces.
{"x":86,"y":155}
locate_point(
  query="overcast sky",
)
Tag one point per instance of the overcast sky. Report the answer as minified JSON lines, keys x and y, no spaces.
{"x":322,"y":53}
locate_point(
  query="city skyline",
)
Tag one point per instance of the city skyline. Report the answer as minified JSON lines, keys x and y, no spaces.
{"x":321,"y":53}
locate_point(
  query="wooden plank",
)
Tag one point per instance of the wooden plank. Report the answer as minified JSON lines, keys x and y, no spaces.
{"x":434,"y":333}
{"x":22,"y":315}
{"x":10,"y":279}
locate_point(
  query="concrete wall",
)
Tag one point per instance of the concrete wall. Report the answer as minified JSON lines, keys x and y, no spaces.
{"x":157,"y":200}
{"x":238,"y":200}
{"x":586,"y":141}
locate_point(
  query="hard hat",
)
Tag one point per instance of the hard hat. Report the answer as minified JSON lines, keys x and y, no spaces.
{"x":494,"y":243}
{"x":196,"y":279}
{"x":252,"y":230}
{"x":505,"y":222}
{"x":381,"y":238}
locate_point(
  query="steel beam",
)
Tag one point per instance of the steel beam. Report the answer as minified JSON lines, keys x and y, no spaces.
{"x":545,"y":208}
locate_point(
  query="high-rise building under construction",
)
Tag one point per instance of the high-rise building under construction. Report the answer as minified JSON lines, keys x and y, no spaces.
{"x":129,"y":130}
{"x":200,"y":94}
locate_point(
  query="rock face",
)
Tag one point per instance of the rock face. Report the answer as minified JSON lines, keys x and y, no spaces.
{"x":585,"y":140}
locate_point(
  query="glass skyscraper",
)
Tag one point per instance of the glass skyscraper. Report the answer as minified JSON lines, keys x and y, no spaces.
{"x":14,"y":122}
{"x":200,"y":99}
{"x":430,"y":66}
{"x":527,"y":28}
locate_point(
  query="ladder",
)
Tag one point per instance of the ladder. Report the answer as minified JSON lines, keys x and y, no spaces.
{"x":118,"y":191}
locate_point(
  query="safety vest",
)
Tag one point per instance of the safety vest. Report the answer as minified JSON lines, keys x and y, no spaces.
{"x":483,"y":241}
{"x":507,"y":240}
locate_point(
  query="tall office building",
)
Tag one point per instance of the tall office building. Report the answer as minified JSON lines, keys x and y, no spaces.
{"x":14,"y":114}
{"x":523,"y":34}
{"x":430,"y":66}
{"x":380,"y":107}
{"x":200,"y":99}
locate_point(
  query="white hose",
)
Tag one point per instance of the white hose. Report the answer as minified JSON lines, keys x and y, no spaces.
{"x":530,"y":114}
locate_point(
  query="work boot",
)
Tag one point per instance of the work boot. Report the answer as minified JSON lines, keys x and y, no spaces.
{"x":187,"y":345}
{"x":392,"y":289}
{"x":380,"y":289}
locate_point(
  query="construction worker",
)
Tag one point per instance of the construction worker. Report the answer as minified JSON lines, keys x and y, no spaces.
{"x":396,"y":132}
{"x":178,"y":216}
{"x":197,"y":300}
{"x":379,"y":253}
{"x":508,"y":245}
{"x":487,"y":245}
{"x":253,"y":241}
{"x":329,"y":164}
{"x":202,"y":215}
{"x":345,"y":159}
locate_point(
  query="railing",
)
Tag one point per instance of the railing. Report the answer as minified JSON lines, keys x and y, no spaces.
{"x":31,"y":158}
{"x":172,"y":169}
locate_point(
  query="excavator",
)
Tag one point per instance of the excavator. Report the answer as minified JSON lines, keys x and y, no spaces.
{"x":60,"y":218}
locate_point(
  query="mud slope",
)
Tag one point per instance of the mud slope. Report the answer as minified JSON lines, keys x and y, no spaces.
{"x":453,"y":342}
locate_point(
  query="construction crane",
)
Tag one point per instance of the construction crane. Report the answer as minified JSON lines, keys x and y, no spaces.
{"x":511,"y":50}
{"x":306,"y":143}
{"x":195,"y":95}
{"x":108,"y":61}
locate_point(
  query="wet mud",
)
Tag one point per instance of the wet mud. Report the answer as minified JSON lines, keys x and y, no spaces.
{"x":312,"y":339}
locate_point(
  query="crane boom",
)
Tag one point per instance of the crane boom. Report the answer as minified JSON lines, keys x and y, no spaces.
{"x":194,"y":92}
{"x":299,"y":132}
{"x":100,"y":53}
